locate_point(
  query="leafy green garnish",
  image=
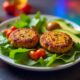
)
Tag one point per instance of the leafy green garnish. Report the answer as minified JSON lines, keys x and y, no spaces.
{"x":52,"y":59}
{"x":21,"y":24}
{"x":25,"y":18}
{"x":37,"y":16}
{"x":41,"y":24}
{"x":34,"y":22}
{"x":3,"y":39}
{"x":5,"y":49}
{"x":41,"y":61}
{"x":20,"y":55}
{"x":77,"y":45}
{"x":13,"y":53}
{"x":38,"y":22}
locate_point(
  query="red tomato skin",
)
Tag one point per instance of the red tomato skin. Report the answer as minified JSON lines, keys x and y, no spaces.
{"x":33,"y":55}
{"x":8,"y":33}
{"x":41,"y":52}
{"x":13,"y":28}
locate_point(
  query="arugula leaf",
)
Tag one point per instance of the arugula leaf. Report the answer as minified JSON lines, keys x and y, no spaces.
{"x":42,"y":23}
{"x":38,"y":22}
{"x":70,"y":58}
{"x":13,"y":53}
{"x":20,"y":55}
{"x":31,"y":62}
{"x":21,"y":24}
{"x":41,"y":61}
{"x":5,"y":49}
{"x":77,"y":45}
{"x":34,"y":22}
{"x":51,"y":60}
{"x":37,"y":16}
{"x":25,"y":18}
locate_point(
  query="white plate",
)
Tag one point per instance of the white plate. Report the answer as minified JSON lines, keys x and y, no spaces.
{"x":11,"y":62}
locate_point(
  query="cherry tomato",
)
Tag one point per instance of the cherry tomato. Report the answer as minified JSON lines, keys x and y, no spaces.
{"x":13,"y":28}
{"x":41,"y":52}
{"x":33,"y":55}
{"x":27,"y":9}
{"x":9,"y":7}
{"x":6,"y":31}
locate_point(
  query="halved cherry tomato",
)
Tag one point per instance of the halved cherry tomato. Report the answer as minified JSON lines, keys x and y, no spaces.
{"x":41,"y":52}
{"x":33,"y":55}
{"x":13,"y":28}
{"x":8,"y":33}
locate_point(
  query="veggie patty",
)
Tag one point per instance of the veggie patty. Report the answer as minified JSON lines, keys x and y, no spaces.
{"x":58,"y":42}
{"x":27,"y":38}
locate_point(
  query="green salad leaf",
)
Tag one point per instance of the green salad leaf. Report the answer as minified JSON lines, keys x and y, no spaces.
{"x":25,"y":18}
{"x":13,"y":53}
{"x":21,"y":24}
{"x":51,"y":59}
{"x":20,"y":55}
{"x":41,"y":61}
{"x":3,"y":39}
{"x":5,"y":49}
{"x":34,"y":22}
{"x":38,"y":22}
{"x":37,"y":16}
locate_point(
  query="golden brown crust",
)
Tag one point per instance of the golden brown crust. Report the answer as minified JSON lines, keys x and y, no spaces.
{"x":56,"y":41}
{"x":24,"y":37}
